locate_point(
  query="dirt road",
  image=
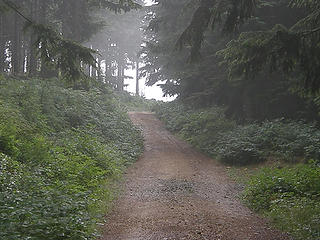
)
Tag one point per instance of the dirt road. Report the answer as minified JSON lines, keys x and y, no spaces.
{"x":174,"y":192}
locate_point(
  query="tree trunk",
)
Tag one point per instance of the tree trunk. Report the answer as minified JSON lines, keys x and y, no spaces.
{"x":2,"y":44}
{"x":16,"y":50}
{"x":45,"y":71}
{"x":23,"y":52}
{"x":137,"y":78}
{"x":100,"y":79}
{"x":66,"y":31}
{"x":32,"y":56}
{"x":71,"y":18}
{"x":120,"y":77}
{"x":106,"y":68}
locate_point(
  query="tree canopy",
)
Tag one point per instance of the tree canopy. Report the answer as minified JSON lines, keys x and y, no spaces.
{"x":55,"y":30}
{"x":254,"y":57}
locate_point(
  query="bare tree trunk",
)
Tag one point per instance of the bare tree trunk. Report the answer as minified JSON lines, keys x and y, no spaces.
{"x":106,"y":71}
{"x":70,"y":29}
{"x":23,"y":53}
{"x":137,"y":78}
{"x":66,"y":31}
{"x":2,"y":43}
{"x":94,"y":72}
{"x":120,"y":84}
{"x":16,"y":51}
{"x":99,"y":70}
{"x":32,"y":56}
{"x":42,"y":6}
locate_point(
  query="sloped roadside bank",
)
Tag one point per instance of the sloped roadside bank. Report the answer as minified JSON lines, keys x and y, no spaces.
{"x":60,"y":151}
{"x":288,"y":191}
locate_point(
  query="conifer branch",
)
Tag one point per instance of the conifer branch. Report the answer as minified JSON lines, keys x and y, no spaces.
{"x":306,"y":33}
{"x":12,"y":6}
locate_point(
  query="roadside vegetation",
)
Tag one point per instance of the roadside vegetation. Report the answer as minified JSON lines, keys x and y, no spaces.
{"x":288,"y":189}
{"x":245,"y":73}
{"x":61,"y":151}
{"x":129,"y":102}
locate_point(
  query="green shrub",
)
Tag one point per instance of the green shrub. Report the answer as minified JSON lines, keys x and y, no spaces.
{"x":7,"y":140}
{"x":300,"y":217}
{"x":199,"y":127}
{"x":209,"y":130}
{"x":241,"y":146}
{"x":290,"y":196}
{"x":275,"y":184}
{"x":286,"y":140}
{"x":31,"y":208}
{"x":134,"y":103}
{"x":174,"y":115}
{"x":291,"y":140}
{"x":204,"y":126}
{"x":60,"y":152}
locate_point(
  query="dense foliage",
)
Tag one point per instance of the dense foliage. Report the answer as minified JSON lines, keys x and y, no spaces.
{"x":60,"y":152}
{"x":257,"y":61}
{"x":292,"y":50}
{"x":247,"y":89}
{"x":209,"y":130}
{"x":43,"y":38}
{"x":128,"y":102}
{"x":288,"y":195}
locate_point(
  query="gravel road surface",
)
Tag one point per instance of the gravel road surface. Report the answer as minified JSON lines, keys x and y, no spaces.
{"x":174,"y":192}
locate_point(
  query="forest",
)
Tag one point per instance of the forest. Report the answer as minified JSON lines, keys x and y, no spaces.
{"x":245,"y":78}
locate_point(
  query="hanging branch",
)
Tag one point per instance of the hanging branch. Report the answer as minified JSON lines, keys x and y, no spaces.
{"x":13,"y":7}
{"x":56,"y":51}
{"x":312,"y":31}
{"x":67,"y":55}
{"x":210,"y":12}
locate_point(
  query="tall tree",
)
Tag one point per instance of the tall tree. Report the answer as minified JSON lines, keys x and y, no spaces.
{"x":195,"y":73}
{"x":291,"y":50}
{"x":118,"y":44}
{"x":72,"y":19}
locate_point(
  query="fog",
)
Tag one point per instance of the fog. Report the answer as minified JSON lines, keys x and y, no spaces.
{"x":112,"y":31}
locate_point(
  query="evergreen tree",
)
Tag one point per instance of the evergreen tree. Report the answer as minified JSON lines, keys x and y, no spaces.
{"x":195,"y":73}
{"x":55,"y":45}
{"x":293,"y":50}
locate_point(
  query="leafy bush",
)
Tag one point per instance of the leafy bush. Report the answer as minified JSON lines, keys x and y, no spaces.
{"x":287,"y":140}
{"x":290,"y":140}
{"x":209,"y":130}
{"x":174,"y":115}
{"x":203,"y":127}
{"x":33,"y":208}
{"x":134,"y":103}
{"x":60,"y":152}
{"x":200,"y":127}
{"x":300,"y":217}
{"x":240,"y":146}
{"x":290,"y":196}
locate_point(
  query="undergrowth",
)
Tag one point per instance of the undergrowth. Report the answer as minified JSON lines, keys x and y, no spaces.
{"x":134,"y":103}
{"x":221,"y":138}
{"x":289,"y":195}
{"x":61,"y":151}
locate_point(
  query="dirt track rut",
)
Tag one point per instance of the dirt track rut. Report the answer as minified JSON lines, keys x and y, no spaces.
{"x":173,"y":193}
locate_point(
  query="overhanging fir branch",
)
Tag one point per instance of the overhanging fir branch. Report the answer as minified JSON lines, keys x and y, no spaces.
{"x":55,"y":51}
